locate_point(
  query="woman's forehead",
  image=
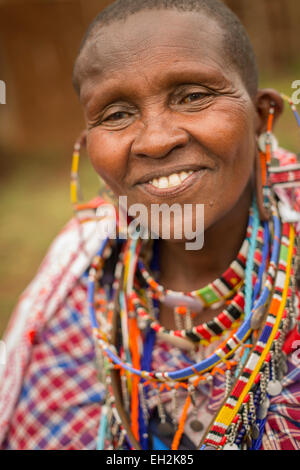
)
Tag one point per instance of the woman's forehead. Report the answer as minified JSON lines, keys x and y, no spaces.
{"x":153,"y":39}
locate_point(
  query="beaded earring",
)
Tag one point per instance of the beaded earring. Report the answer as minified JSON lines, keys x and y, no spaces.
{"x":75,"y":189}
{"x":267,"y":145}
{"x":74,"y":183}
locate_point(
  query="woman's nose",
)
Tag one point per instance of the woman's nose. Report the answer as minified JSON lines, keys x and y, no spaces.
{"x":158,"y":137}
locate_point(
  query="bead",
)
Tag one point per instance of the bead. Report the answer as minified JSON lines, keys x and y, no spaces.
{"x":31,"y":336}
{"x":274,"y":388}
{"x":196,"y":425}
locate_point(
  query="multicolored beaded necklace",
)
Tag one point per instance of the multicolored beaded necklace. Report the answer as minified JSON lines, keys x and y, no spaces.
{"x":230,"y":316}
{"x":257,"y":376}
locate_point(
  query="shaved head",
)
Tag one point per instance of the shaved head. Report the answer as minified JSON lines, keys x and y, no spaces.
{"x":236,"y":43}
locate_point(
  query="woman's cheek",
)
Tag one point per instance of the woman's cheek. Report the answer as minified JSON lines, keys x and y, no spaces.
{"x":223,"y":132}
{"x":105,"y":155}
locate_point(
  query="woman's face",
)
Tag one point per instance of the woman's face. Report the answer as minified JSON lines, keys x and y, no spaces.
{"x":169,"y":118}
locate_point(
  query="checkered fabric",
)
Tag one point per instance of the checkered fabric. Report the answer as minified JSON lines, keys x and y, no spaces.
{"x":59,"y":403}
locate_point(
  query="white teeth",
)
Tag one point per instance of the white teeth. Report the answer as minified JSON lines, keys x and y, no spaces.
{"x":163,"y":183}
{"x":183,"y":175}
{"x":171,"y":181}
{"x":174,"y":180}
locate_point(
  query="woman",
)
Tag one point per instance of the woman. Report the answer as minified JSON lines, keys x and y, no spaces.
{"x":193,"y":348}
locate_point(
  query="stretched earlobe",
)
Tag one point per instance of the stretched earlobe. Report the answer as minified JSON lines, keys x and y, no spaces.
{"x":263,"y":100}
{"x":82,"y":138}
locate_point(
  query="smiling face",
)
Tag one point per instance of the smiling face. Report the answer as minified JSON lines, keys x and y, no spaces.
{"x":169,"y":118}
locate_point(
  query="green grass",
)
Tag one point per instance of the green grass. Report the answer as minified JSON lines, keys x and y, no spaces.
{"x":35,"y":204}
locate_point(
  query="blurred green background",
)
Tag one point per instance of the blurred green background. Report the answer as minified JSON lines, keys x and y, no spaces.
{"x":42,"y":117}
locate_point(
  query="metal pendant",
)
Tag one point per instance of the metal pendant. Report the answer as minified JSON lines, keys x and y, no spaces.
{"x":280,"y":374}
{"x":196,"y":425}
{"x":264,"y":139}
{"x":283,"y":366}
{"x":255,"y":433}
{"x":257,"y":317}
{"x":247,"y":442}
{"x":231,"y":447}
{"x":263,"y":409}
{"x":274,"y":388}
{"x":165,"y":429}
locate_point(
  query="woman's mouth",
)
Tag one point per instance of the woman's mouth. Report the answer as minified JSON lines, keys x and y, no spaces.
{"x":173,"y":183}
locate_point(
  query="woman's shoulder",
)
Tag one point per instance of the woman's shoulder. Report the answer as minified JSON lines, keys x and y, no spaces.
{"x":66,"y":260}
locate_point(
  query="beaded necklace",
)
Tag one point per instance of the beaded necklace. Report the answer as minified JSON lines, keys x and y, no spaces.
{"x":217,"y":291}
{"x":227,"y":349}
{"x":131,"y":361}
{"x":228,"y":318}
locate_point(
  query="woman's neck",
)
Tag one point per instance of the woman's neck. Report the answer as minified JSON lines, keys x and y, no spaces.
{"x":184,"y":270}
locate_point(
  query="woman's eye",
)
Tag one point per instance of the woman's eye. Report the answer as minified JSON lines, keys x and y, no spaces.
{"x":116,"y":116}
{"x":193,"y":97}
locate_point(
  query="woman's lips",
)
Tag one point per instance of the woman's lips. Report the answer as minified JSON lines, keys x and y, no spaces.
{"x":174,"y":190}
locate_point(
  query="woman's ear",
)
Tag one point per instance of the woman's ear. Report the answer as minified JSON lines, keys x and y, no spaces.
{"x":82,"y":138}
{"x":262,"y":103}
